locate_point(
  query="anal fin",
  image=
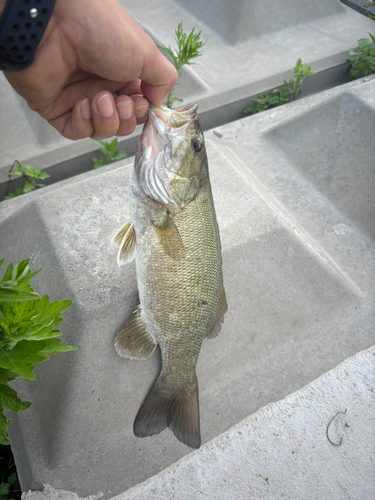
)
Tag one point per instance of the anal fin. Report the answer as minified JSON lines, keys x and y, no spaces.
{"x":133,"y":340}
{"x":219,"y":319}
{"x":126,"y":237}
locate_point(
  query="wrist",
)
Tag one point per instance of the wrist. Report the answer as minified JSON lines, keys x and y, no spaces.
{"x":2,"y":6}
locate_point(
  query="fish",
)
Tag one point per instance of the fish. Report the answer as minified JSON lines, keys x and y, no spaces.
{"x":174,"y":237}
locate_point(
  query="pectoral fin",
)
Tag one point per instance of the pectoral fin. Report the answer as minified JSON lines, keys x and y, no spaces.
{"x":219,"y":320}
{"x":119,"y":236}
{"x":133,"y":340}
{"x":169,"y":238}
{"x":126,"y":237}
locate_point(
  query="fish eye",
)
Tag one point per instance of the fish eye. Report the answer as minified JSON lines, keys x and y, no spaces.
{"x":197,"y":145}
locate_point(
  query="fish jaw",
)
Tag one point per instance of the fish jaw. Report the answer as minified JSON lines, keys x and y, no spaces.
{"x":171,"y":161}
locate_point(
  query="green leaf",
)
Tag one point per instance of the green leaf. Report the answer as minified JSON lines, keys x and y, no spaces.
{"x":4,"y":422}
{"x":28,"y":187}
{"x":17,"y":271}
{"x":11,"y":376}
{"x":4,"y":488}
{"x":18,"y":170}
{"x":55,"y":345}
{"x":2,"y":262}
{"x":99,"y":162}
{"x":16,"y":294}
{"x":9,"y":283}
{"x":354,"y":74}
{"x":18,"y":192}
{"x":12,"y":478}
{"x":118,"y":155}
{"x":112,"y":146}
{"x":3,"y":376}
{"x":249,"y":109}
{"x":31,"y":171}
{"x":47,"y":312}
{"x":8,"y":397}
{"x":20,"y":359}
{"x":104,"y":147}
{"x":35,"y":172}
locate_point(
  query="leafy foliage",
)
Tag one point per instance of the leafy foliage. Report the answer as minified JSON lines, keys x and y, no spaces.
{"x":30,"y":174}
{"x":364,"y":62}
{"x":110,"y":151}
{"x":188,"y":48}
{"x":27,"y":335}
{"x":9,"y":484}
{"x":6,"y":486}
{"x":288,"y":92}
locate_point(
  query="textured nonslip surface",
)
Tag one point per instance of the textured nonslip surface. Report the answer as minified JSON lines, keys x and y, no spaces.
{"x":251,"y":48}
{"x":317,"y":443}
{"x":298,"y":272}
{"x":283,"y":450}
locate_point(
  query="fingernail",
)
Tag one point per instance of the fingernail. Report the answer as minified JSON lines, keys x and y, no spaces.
{"x":105,"y":106}
{"x":140,"y":111}
{"x":125,"y":110}
{"x":86,"y":109}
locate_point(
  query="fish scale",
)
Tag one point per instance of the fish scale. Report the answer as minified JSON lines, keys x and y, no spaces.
{"x":179,"y":272}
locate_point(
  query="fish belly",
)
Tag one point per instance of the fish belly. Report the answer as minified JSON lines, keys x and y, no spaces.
{"x":182,"y":301}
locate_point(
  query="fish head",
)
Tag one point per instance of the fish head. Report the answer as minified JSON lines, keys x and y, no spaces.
{"x":171,"y":161}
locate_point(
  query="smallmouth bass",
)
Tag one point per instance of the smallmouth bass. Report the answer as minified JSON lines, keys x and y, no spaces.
{"x":174,"y":237}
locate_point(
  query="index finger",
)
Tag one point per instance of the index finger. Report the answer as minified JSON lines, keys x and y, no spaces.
{"x":158,"y":75}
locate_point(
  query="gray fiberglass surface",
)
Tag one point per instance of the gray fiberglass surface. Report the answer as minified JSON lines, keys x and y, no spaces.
{"x":242,"y":20}
{"x":332,"y":145}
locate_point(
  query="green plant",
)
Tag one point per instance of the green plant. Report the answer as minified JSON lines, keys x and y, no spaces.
{"x":30,"y":174}
{"x":27,"y":335}
{"x":270,"y":100}
{"x":188,"y":48}
{"x":364,"y":62}
{"x":288,"y":92}
{"x":10,"y":483}
{"x":109,"y":149}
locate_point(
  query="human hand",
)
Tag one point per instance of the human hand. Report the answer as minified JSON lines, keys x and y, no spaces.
{"x":91,"y":69}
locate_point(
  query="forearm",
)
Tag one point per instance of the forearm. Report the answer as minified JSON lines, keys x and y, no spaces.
{"x":2,"y":6}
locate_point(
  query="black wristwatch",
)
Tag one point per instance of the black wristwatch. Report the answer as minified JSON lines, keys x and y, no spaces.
{"x":22,"y":26}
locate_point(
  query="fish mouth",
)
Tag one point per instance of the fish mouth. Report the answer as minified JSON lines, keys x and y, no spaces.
{"x":173,"y":118}
{"x":163,"y":123}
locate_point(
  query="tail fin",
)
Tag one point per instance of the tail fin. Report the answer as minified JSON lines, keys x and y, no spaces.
{"x":178,"y":410}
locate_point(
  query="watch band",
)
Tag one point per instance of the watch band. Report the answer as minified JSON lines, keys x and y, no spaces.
{"x":22,"y":26}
